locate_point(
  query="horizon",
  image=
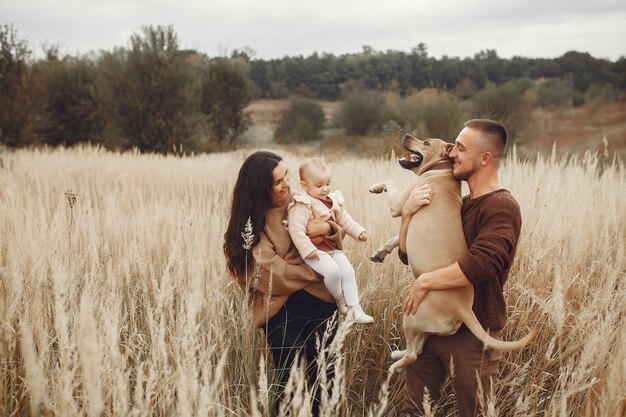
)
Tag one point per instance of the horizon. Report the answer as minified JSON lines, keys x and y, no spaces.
{"x":253,"y":55}
{"x":275,"y":29}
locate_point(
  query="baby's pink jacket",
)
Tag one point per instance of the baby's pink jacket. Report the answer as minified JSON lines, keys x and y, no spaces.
{"x":299,"y":213}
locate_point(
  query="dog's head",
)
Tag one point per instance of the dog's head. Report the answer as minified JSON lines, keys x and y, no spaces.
{"x":424,"y":154}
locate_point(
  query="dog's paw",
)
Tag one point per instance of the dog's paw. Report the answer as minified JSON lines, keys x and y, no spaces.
{"x":377,"y":188}
{"x":378,"y":257}
{"x":397,"y":354}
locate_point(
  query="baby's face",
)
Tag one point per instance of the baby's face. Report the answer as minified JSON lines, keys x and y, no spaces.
{"x":317,"y":183}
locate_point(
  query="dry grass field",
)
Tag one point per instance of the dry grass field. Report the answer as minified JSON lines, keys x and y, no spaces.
{"x":115,"y":299}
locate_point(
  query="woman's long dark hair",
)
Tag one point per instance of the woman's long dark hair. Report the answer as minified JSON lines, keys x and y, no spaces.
{"x":252,"y":197}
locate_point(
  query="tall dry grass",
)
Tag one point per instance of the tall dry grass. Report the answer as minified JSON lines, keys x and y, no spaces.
{"x":115,"y":300}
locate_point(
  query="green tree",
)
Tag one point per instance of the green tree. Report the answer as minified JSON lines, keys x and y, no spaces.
{"x":150,"y":93}
{"x":69,"y":111}
{"x":619,"y":69}
{"x":421,"y":67}
{"x":226,"y":92}
{"x":259,"y":74}
{"x":17,"y":90}
{"x":448,"y":72}
{"x":492,"y":65}
{"x":301,"y":121}
{"x":516,"y":67}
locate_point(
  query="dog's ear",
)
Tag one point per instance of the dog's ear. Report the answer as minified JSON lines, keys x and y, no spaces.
{"x":447,"y":148}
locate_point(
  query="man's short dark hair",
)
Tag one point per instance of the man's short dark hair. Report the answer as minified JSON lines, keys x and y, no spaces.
{"x":493,"y":131}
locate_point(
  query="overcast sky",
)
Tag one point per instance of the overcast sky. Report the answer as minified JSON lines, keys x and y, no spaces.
{"x":273,"y":28}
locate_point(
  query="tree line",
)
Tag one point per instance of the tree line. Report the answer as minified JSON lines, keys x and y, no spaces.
{"x":326,"y":76}
{"x":153,"y":95}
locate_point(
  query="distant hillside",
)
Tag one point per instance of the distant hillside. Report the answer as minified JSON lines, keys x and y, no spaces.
{"x":570,"y":130}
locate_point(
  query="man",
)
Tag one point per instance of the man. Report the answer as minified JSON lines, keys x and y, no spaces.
{"x":491,"y":224}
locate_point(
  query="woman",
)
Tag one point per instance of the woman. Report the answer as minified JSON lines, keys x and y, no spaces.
{"x":289,"y":301}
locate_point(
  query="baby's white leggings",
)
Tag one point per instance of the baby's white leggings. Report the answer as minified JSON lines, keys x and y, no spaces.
{"x":338,"y":274}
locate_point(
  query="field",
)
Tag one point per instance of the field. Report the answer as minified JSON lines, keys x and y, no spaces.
{"x":115,"y":299}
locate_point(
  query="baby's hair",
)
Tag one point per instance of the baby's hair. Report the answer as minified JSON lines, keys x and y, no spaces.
{"x":307,"y":165}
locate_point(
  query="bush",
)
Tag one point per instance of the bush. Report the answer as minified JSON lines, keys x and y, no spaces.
{"x":429,"y":113}
{"x":226,"y":92}
{"x":363,"y":112}
{"x":599,"y":94}
{"x":302,"y":121}
{"x":150,"y":94}
{"x":555,"y":92}
{"x":505,"y":104}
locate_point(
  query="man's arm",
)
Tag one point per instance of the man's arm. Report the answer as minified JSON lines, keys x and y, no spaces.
{"x":450,"y":276}
{"x":490,"y":253}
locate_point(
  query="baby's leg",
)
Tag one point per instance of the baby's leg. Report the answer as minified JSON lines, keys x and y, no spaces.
{"x":348,"y":279}
{"x":327,"y":267}
{"x":350,"y":291}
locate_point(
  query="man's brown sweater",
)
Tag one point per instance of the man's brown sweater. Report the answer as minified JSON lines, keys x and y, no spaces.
{"x":491,"y":224}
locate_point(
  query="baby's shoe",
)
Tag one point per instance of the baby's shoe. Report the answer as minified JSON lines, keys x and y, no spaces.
{"x":341,"y":305}
{"x":357,"y":314}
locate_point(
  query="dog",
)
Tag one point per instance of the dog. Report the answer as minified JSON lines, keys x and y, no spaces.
{"x":434,"y":239}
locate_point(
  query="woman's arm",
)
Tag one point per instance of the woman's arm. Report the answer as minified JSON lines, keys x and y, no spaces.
{"x":275,"y":274}
{"x":297,"y":219}
{"x":316,"y":226}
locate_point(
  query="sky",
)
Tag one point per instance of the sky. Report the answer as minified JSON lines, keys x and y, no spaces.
{"x":274,"y":29}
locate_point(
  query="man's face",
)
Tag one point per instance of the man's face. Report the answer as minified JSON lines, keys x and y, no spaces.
{"x":466,"y":154}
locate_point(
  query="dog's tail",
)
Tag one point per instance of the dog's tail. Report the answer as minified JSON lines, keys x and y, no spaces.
{"x":472,"y":323}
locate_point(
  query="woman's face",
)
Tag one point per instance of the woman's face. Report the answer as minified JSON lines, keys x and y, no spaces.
{"x":280,"y":186}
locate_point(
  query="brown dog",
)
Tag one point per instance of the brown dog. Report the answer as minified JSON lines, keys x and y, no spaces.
{"x":434,"y":240}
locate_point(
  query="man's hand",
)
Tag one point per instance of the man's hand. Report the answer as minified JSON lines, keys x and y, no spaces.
{"x":450,"y":276}
{"x":414,"y":298}
{"x":316,"y":226}
{"x":419,"y":196}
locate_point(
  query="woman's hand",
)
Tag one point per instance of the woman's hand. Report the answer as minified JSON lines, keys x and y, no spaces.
{"x":313,"y":255}
{"x":316,"y":226}
{"x":363,"y":237}
{"x":420,"y":195}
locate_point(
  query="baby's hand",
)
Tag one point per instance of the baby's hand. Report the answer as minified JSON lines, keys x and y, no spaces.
{"x":363,"y":237}
{"x":313,"y":255}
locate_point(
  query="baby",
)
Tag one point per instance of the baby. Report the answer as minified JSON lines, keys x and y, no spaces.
{"x":323,"y":255}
